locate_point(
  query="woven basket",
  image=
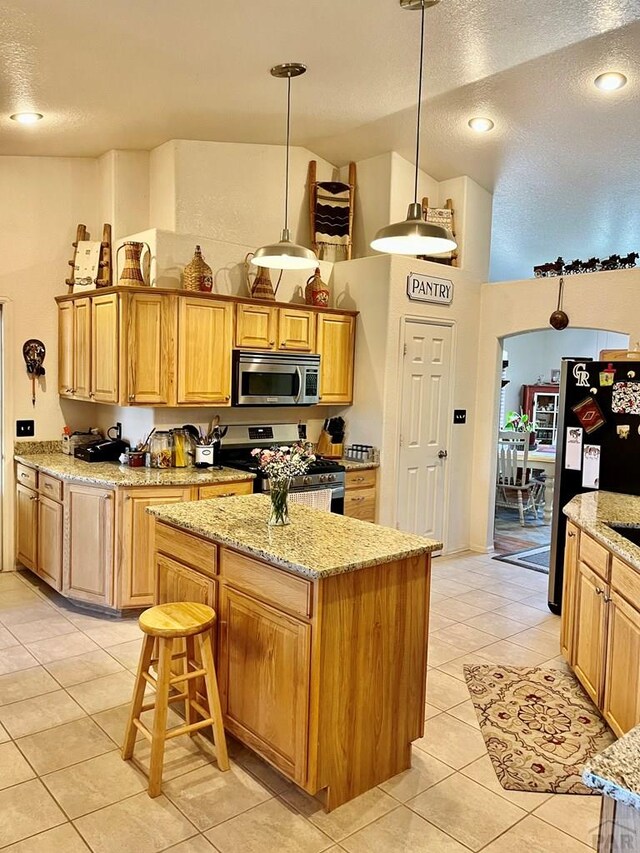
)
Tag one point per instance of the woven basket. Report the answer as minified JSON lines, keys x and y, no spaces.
{"x":198,"y":275}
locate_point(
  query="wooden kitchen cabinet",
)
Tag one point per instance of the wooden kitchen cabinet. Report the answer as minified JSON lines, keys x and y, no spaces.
{"x":360,"y":494}
{"x":26,"y":526}
{"x":150,"y":343}
{"x":74,"y":349}
{"x":205,"y":335}
{"x":90,"y":518}
{"x":569,"y":592}
{"x":225,"y":490}
{"x":49,"y":522}
{"x":336,"y":347}
{"x":590,"y":630}
{"x":622,"y":684}
{"x":296,"y":330}
{"x":256,"y":326}
{"x":137,"y":569}
{"x":265,"y":660}
{"x":105,"y":348}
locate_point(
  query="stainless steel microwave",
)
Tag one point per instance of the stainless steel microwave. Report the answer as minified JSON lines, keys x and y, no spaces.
{"x":275,"y":379}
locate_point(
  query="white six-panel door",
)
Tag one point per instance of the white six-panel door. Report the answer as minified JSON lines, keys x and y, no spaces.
{"x":424,"y":425}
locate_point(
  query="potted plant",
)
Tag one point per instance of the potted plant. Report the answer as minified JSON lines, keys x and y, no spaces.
{"x":521,"y":422}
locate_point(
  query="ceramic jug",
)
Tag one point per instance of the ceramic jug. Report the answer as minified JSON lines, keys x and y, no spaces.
{"x":132,"y":275}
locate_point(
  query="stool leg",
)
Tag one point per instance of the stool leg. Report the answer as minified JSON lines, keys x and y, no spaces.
{"x":190,"y":685}
{"x":215,"y":709}
{"x":160,"y":716}
{"x":138,"y":697}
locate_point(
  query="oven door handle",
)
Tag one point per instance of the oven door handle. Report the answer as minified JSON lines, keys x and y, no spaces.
{"x":298,"y":393}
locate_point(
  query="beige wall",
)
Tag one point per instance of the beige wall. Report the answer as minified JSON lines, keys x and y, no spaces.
{"x":607,"y":300}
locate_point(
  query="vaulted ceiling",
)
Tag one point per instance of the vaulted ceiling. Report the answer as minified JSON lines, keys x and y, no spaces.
{"x":562,"y":161}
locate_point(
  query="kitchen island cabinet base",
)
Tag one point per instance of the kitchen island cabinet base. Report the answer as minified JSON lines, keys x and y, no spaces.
{"x":324,"y":678}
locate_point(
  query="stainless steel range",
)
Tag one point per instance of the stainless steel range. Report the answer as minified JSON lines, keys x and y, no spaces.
{"x":322,"y":474}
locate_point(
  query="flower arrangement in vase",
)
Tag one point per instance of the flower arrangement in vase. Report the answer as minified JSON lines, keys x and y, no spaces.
{"x":281,"y":465}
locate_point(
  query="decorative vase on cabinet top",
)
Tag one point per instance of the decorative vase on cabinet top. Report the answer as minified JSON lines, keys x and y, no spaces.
{"x":132,"y":275}
{"x":198,"y":275}
{"x":316,"y":292}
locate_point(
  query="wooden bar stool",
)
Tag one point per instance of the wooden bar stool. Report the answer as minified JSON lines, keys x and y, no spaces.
{"x":187,"y":621}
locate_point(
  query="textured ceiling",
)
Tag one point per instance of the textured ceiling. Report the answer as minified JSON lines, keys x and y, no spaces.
{"x":562,"y":160}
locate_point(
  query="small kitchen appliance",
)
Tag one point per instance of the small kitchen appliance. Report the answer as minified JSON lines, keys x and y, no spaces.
{"x":322,"y":474}
{"x":103,"y":450}
{"x":275,"y":379}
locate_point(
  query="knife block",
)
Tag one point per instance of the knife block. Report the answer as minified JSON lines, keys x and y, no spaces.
{"x":325,"y":448}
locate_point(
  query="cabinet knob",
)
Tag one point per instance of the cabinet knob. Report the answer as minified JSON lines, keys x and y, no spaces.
{"x":272,"y":343}
{"x":132,"y":397}
{"x":34,"y":498}
{"x":227,"y":397}
{"x":607,"y":599}
{"x":571,"y":534}
{"x":357,"y":500}
{"x":91,"y":394}
{"x":599,"y":590}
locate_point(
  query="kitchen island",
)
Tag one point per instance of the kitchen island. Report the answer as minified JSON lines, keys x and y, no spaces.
{"x":321,"y":640}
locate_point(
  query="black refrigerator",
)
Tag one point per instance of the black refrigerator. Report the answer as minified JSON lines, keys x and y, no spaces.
{"x":597,"y":446}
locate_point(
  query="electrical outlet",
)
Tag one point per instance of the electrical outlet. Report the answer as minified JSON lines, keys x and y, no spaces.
{"x":459,"y":416}
{"x":25,"y":429}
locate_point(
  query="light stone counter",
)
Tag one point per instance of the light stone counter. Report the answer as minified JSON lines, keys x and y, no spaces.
{"x":114,"y":474}
{"x":594,"y":511}
{"x":316,"y":544}
{"x":354,"y":465}
{"x":616,"y":770}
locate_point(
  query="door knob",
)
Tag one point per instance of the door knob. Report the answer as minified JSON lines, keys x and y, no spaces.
{"x":442,"y":454}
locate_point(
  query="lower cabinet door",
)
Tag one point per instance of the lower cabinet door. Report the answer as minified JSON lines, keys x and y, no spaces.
{"x":264,"y":675}
{"x":622,"y":685}
{"x":27,"y":520}
{"x":137,"y":576}
{"x":176,"y":582}
{"x":569,"y":592}
{"x":89,"y":572}
{"x":360,"y":503}
{"x":50,"y":541}
{"x":590,"y":630}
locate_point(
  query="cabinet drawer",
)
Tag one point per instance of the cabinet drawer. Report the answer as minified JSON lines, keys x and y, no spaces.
{"x":594,"y":555}
{"x":185,"y":548}
{"x":284,"y":591}
{"x":626,"y":582}
{"x":225,"y":490}
{"x":50,"y":486}
{"x":360,"y":503}
{"x":27,"y":476}
{"x":360,"y":479}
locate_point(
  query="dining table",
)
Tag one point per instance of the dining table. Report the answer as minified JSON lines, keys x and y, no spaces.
{"x":544,"y":460}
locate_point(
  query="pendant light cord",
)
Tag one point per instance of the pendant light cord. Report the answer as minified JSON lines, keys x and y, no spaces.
{"x":286,"y":179}
{"x":415,"y":185}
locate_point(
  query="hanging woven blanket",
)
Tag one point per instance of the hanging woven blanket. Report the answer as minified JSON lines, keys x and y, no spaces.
{"x":440,"y":216}
{"x":332,"y":216}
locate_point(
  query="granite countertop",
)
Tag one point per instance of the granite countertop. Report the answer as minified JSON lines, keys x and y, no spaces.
{"x":594,"y":511}
{"x":114,"y":474}
{"x":316,"y":544}
{"x":616,"y":770}
{"x":354,"y":465}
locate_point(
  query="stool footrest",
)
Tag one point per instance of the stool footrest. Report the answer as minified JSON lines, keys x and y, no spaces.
{"x":189,"y":727}
{"x":196,"y":673}
{"x":145,"y":731}
{"x":176,"y":656}
{"x":200,"y":709}
{"x":150,"y":679}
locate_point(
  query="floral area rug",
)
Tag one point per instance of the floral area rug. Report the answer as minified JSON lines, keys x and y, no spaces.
{"x":539,"y":726}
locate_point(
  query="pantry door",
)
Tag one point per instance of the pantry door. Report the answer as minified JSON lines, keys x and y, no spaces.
{"x":424,"y":428}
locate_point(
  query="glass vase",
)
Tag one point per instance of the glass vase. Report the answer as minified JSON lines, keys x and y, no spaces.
{"x":279,"y":507}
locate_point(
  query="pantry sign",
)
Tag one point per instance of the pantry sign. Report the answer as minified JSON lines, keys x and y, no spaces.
{"x":429,"y":288}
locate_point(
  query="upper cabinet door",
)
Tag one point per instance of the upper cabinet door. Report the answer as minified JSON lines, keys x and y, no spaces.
{"x":336,"y":345}
{"x":256,"y":326}
{"x":82,"y":349}
{"x":104,"y":348}
{"x":296,"y":330}
{"x":205,"y":335}
{"x":150,"y":348}
{"x":65,"y":349}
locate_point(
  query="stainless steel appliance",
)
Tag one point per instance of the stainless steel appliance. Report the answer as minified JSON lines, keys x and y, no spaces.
{"x":275,"y":379}
{"x":322,"y":474}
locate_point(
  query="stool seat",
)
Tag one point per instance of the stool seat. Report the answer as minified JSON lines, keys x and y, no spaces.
{"x":178,"y":619}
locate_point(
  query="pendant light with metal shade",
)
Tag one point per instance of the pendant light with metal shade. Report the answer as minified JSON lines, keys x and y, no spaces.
{"x":286,"y":255}
{"x":414,"y":236}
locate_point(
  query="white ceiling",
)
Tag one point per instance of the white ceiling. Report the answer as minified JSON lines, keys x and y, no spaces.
{"x":562,"y":161}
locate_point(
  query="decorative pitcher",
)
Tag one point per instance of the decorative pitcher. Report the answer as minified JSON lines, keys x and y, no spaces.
{"x":132,"y":275}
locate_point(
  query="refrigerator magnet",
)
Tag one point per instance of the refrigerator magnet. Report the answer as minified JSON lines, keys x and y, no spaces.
{"x":625,"y":399}
{"x":581,"y":375}
{"x":607,"y":376}
{"x":589,"y":414}
{"x":623,"y":430}
{"x":591,"y":466}
{"x":573,"y":454}
{"x":631,"y":374}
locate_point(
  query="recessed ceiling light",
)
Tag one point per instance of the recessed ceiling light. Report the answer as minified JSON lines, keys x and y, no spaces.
{"x":610,"y":81}
{"x":481,"y":125}
{"x":26,"y":118}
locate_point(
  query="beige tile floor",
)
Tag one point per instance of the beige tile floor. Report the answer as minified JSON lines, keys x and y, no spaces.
{"x":65,"y":679}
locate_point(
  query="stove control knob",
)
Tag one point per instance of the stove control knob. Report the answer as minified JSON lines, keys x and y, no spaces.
{"x":306,"y":481}
{"x":322,"y":478}
{"x":331,"y":478}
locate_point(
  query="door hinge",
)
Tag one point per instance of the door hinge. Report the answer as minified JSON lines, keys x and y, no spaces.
{"x":404,"y":350}
{"x":401,"y":442}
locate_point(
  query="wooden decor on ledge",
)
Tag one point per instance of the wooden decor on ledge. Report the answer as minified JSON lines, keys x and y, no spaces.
{"x":104,"y":277}
{"x":331,"y":212}
{"x":445,"y":217}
